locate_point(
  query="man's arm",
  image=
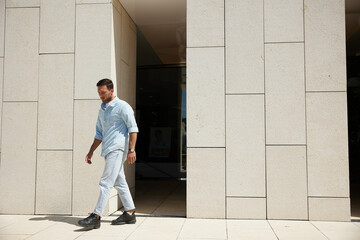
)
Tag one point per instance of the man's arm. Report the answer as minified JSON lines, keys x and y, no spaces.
{"x":97,"y":140}
{"x":131,"y":157}
{"x":95,"y":144}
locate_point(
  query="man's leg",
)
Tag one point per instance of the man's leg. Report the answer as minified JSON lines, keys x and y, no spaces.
{"x":123,"y":189}
{"x":111,"y":170}
{"x":128,"y":216}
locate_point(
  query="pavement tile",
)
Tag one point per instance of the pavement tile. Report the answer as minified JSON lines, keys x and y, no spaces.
{"x":63,"y":230}
{"x":250,"y":230}
{"x":158,"y":228}
{"x":13,"y":237}
{"x":338,"y":230}
{"x":204,"y":228}
{"x":6,"y":220}
{"x":83,"y":237}
{"x":28,"y":225}
{"x":120,"y":231}
{"x":200,"y":239}
{"x":296,"y":230}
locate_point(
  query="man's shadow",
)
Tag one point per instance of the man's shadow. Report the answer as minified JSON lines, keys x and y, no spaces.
{"x":65,"y":219}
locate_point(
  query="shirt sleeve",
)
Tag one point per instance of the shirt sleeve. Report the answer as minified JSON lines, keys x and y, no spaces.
{"x":129,"y":119}
{"x":98,"y":134}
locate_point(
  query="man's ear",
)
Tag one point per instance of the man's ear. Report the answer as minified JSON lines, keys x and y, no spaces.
{"x":112,"y":90}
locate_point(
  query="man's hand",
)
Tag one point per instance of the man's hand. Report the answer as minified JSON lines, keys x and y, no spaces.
{"x":88,"y":157}
{"x":131,"y":157}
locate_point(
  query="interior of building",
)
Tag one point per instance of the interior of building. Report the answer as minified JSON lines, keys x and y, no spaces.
{"x":160,"y":106}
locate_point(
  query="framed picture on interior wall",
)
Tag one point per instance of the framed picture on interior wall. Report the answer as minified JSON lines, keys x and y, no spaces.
{"x":160,"y":142}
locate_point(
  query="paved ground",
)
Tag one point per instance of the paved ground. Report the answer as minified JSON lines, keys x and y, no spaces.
{"x":152,"y":223}
{"x":167,"y":228}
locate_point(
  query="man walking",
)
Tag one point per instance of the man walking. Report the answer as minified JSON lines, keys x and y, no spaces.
{"x":116,"y":129}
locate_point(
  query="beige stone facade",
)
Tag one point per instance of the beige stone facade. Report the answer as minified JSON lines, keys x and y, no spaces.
{"x":266,"y":106}
{"x":267,"y":119}
{"x":52,"y":55}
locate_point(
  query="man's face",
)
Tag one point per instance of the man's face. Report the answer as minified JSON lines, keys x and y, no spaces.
{"x":105,"y":94}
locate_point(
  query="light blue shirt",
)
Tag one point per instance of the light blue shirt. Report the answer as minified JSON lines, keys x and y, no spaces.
{"x":115,"y":121}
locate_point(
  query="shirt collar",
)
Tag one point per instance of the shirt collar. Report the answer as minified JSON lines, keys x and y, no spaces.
{"x":111,"y":103}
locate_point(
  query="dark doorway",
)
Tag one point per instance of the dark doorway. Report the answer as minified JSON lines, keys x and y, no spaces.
{"x":160,"y":170}
{"x":161,"y":115}
{"x":353,"y":97}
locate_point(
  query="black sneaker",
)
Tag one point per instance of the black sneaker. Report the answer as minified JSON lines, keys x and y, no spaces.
{"x":125,"y":218}
{"x":91,"y":221}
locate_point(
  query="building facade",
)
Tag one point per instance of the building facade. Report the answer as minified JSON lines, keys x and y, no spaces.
{"x":270,"y":121}
{"x":54,"y":52}
{"x":266,"y":105}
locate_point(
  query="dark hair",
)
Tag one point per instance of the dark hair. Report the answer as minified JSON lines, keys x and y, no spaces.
{"x":109,"y":84}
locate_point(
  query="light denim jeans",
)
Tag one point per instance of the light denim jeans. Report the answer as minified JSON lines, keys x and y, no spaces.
{"x":114,"y":176}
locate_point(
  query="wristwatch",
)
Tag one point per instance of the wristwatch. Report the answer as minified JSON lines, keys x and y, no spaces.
{"x":131,"y":150}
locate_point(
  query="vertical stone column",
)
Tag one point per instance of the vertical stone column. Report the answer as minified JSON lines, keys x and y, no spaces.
{"x":206,"y":109}
{"x":326,"y":111}
{"x":55,"y":117}
{"x":245,"y":130}
{"x":19,"y":106}
{"x":285,"y":110}
{"x":2,"y":40}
